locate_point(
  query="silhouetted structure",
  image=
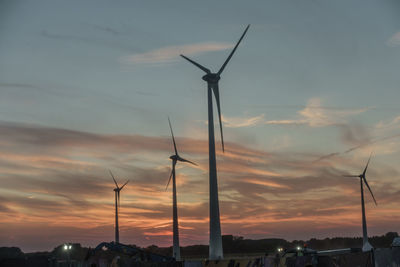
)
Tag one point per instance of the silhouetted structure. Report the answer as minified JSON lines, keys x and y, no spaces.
{"x":239,"y":251}
{"x":366,"y":245}
{"x":212,"y":80}
{"x":176,"y":253}
{"x":117,"y":191}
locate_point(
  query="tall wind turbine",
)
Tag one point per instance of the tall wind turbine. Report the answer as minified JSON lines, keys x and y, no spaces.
{"x":176,"y":252}
{"x":212,"y":79}
{"x":117,"y":191}
{"x":366,"y":245}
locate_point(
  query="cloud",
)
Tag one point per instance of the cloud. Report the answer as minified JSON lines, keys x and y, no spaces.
{"x":354,"y":134}
{"x":381,"y":145}
{"x":394,"y":40}
{"x":380,"y":138}
{"x":286,"y":122}
{"x":106,"y":29}
{"x":316,"y":115}
{"x":88,"y":40}
{"x":393,"y":124}
{"x":17,"y":85}
{"x":171,"y":53}
{"x":237,"y":122}
{"x":56,"y":181}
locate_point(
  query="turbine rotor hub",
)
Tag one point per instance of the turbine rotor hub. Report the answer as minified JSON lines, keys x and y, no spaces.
{"x":211,"y":77}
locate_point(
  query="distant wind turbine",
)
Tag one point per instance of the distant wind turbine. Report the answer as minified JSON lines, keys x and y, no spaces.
{"x":117,"y":191}
{"x":176,"y":253}
{"x":366,"y":245}
{"x":215,"y":249}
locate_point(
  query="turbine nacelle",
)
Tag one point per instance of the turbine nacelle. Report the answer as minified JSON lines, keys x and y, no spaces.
{"x":174,"y":157}
{"x":212,"y":80}
{"x":211,"y":77}
{"x":118,"y":188}
{"x":364,"y":179}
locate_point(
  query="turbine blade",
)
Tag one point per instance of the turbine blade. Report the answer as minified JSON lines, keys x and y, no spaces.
{"x":172,"y":171}
{"x":188,"y":161}
{"x":173,"y":138}
{"x":169,"y":180}
{"x":124,"y":184}
{"x":366,"y":183}
{"x":365,"y":170}
{"x":197,"y":64}
{"x":351,"y":176}
{"x":216,"y":94}
{"x":113,"y":178}
{"x":233,"y":51}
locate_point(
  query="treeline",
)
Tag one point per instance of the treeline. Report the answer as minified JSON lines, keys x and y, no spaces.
{"x":238,"y":245}
{"x":58,"y":252}
{"x":349,"y":242}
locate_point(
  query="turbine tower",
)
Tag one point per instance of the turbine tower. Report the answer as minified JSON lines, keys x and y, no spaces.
{"x":176,"y":252}
{"x":215,"y":249}
{"x":366,"y":245}
{"x":117,"y":191}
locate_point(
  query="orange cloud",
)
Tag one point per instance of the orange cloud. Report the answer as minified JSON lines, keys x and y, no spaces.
{"x":56,"y":188}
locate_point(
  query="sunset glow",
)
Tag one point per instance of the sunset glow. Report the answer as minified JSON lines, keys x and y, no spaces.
{"x":312,"y":93}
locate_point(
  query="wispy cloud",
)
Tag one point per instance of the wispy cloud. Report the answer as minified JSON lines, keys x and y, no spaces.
{"x":392,"y":124}
{"x":394,"y":40}
{"x":286,"y":122}
{"x":106,"y":29}
{"x":316,"y":115}
{"x":381,"y":145}
{"x":380,"y":138}
{"x":238,"y":122}
{"x":89,"y":40}
{"x":55,"y":181}
{"x":171,"y":53}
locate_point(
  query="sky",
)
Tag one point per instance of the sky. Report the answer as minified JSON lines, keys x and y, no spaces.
{"x":87,"y":86}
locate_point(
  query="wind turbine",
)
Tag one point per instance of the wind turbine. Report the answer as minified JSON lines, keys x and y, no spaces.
{"x":366,"y":245}
{"x":176,"y":253}
{"x":215,"y":249}
{"x":117,"y":191}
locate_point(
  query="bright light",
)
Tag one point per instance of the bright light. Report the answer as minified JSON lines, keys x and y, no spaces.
{"x":298,"y":248}
{"x":280,"y":249}
{"x":69,"y":247}
{"x":65,"y":247}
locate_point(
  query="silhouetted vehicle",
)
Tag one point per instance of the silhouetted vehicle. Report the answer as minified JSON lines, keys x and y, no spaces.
{"x":396,"y":242}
